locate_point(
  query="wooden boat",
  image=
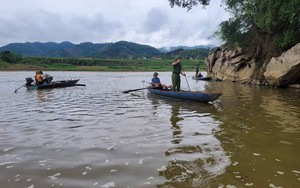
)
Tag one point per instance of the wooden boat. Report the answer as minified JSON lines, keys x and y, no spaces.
{"x":206,"y":78}
{"x":187,"y":95}
{"x":55,"y":84}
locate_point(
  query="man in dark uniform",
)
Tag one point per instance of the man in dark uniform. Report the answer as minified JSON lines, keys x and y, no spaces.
{"x":177,"y":70}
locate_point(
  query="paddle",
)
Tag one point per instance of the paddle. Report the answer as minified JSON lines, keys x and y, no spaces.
{"x":146,"y":81}
{"x":127,"y":91}
{"x":80,"y":85}
{"x":185,"y":78}
{"x":19,"y":88}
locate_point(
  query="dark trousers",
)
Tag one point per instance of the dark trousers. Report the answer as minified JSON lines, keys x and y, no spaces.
{"x":175,"y":82}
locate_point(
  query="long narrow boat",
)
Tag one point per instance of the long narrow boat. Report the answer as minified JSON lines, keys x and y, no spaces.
{"x":187,"y":95}
{"x":55,"y":84}
{"x":206,"y":78}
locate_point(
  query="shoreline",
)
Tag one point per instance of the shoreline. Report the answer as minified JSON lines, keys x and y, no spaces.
{"x":117,"y":66}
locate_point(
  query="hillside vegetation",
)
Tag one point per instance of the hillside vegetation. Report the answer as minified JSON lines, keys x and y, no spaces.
{"x":121,"y":49}
{"x":119,"y":56}
{"x":11,"y":61}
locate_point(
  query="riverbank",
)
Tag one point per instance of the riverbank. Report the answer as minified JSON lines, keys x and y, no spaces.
{"x":113,"y":65}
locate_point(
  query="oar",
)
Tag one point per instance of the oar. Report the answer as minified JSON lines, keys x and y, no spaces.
{"x":19,"y":88}
{"x":80,"y":85}
{"x":185,"y":78}
{"x":146,"y":81}
{"x":127,"y":91}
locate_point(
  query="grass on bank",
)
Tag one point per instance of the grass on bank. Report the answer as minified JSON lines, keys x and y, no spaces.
{"x":81,"y":64}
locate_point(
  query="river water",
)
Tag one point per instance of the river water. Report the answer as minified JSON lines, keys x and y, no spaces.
{"x":97,"y":136}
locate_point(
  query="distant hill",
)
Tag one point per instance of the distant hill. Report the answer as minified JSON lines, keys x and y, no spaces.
{"x":170,"y":49}
{"x":86,"y":49}
{"x":121,"y":49}
{"x":35,"y":48}
{"x":125,"y":49}
{"x":188,"y":54}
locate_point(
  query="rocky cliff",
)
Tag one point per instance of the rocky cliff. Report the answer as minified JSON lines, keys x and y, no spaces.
{"x":236,"y":65}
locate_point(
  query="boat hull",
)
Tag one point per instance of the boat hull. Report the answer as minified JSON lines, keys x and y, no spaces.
{"x":206,"y":78}
{"x":56,"y":84}
{"x":187,"y":95}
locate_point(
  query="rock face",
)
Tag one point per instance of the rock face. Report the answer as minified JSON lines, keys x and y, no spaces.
{"x":236,"y":65}
{"x":284,"y":70}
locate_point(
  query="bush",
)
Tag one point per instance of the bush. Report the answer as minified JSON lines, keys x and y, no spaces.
{"x":10,"y":57}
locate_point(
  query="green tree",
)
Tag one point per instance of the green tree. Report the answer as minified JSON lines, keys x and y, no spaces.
{"x":10,"y":57}
{"x":188,"y":3}
{"x":265,"y":28}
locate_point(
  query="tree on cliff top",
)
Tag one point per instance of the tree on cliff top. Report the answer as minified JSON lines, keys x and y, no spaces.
{"x":265,"y":28}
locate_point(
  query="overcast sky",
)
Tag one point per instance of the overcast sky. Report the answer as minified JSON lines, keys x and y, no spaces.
{"x":150,"y":22}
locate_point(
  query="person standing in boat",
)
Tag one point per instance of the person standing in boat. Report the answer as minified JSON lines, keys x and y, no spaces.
{"x":155,"y":82}
{"x":177,"y":70}
{"x":197,"y":70}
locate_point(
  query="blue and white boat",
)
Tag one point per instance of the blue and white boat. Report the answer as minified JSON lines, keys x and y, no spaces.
{"x":187,"y":95}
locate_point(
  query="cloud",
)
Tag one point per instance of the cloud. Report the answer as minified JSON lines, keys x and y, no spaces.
{"x":96,"y":28}
{"x":156,"y":19}
{"x":45,"y":26}
{"x":147,"y":22}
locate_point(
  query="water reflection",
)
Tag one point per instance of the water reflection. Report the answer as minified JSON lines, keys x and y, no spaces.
{"x":281,"y":110}
{"x":41,"y":95}
{"x":195,"y":155}
{"x":175,"y":119}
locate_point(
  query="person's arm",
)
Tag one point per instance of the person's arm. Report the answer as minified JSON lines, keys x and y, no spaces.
{"x":182,"y":72}
{"x":175,"y":62}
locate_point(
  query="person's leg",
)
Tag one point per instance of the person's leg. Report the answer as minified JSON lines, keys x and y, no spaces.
{"x":174,"y":82}
{"x":178,"y":83}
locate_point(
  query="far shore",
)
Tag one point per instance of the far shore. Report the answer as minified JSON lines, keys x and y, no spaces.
{"x":92,"y":68}
{"x":114,"y":66}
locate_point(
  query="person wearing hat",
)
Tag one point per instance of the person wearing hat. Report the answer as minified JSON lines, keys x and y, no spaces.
{"x":155,"y":82}
{"x":177,"y":70}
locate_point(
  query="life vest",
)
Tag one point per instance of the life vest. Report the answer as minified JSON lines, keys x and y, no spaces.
{"x":38,"y":77}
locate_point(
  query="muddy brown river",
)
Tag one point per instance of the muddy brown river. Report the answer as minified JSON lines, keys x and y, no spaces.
{"x":97,"y":136}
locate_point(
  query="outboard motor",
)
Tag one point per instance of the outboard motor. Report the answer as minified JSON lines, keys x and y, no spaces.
{"x":29,"y":81}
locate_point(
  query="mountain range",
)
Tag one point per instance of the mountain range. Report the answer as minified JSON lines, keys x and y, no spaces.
{"x":121,"y":49}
